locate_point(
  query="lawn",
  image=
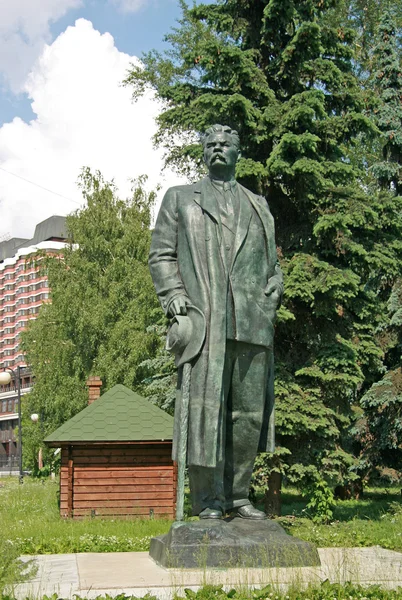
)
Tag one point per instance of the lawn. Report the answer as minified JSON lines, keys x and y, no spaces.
{"x":29,"y":517}
{"x":374,"y":520}
{"x":30,"y":524}
{"x":30,"y":520}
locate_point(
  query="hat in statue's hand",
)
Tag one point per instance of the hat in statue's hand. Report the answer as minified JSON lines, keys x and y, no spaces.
{"x":186,"y":335}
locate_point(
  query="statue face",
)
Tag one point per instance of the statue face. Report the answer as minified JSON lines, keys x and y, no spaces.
{"x":220,"y":154}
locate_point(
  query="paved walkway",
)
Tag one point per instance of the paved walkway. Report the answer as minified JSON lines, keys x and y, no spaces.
{"x":134,"y":573}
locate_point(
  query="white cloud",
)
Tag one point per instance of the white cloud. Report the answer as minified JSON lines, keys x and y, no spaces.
{"x":84,"y":117}
{"x":129,"y":6}
{"x":24,"y":29}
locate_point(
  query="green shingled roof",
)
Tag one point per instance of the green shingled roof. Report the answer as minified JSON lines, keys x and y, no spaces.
{"x":119,"y":415}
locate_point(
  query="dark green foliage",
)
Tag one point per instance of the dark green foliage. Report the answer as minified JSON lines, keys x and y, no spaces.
{"x":159,"y":383}
{"x":283,"y":74}
{"x":379,"y":430}
{"x":388,"y":115}
{"x":102,"y":303}
{"x":363,"y":16}
{"x":383,"y":410}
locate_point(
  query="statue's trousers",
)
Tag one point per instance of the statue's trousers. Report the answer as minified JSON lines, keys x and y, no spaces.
{"x":247,"y":372}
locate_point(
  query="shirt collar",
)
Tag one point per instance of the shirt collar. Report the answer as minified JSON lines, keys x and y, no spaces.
{"x":223,"y":185}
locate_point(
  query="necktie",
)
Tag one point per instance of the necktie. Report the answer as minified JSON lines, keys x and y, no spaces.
{"x":227,"y":193}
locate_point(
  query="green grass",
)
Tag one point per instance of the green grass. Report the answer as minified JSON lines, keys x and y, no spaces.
{"x":30,"y":522}
{"x":374,"y":520}
{"x":325,"y":591}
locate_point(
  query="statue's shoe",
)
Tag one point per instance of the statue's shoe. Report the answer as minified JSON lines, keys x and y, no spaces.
{"x":249,"y":512}
{"x":211,"y":513}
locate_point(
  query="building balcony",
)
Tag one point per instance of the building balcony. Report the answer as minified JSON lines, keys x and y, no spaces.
{"x":6,"y":392}
{"x":7,"y":435}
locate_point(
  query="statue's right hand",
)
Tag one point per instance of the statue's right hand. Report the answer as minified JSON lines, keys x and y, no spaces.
{"x":179,"y":306}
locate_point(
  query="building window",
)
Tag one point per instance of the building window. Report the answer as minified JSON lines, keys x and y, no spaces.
{"x":4,"y":406}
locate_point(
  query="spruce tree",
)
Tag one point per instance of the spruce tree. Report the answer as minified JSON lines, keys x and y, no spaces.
{"x":388,"y":115}
{"x":380,"y":428}
{"x":283,"y":76}
{"x":364,"y":17}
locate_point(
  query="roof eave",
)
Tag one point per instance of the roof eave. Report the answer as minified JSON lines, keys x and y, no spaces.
{"x":61,"y":443}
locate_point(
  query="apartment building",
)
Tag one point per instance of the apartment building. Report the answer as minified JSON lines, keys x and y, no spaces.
{"x":23,"y":289}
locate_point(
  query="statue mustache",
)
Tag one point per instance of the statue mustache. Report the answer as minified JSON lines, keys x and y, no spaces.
{"x":218,"y":155}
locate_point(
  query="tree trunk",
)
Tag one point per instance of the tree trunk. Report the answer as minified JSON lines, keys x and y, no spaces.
{"x":272,"y":498}
{"x":349,"y":491}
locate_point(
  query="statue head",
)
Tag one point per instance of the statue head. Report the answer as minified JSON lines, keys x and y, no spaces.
{"x":221,"y":151}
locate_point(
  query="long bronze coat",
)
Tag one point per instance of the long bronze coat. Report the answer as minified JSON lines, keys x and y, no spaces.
{"x":187,"y":257}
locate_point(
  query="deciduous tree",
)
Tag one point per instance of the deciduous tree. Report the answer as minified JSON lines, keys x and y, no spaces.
{"x":102,"y":302}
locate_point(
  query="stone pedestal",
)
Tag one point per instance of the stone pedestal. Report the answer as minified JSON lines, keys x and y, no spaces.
{"x":231,"y":543}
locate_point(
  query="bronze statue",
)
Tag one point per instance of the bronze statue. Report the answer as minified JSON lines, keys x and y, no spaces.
{"x":213,"y":248}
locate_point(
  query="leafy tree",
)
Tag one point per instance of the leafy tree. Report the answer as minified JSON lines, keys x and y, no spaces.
{"x":282,"y":74}
{"x":102,"y":302}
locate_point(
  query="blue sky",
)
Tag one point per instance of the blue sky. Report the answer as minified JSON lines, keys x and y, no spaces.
{"x":62,"y":106}
{"x":134,"y":33}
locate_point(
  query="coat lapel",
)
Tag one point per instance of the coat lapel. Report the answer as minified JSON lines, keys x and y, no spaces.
{"x":204,"y":196}
{"x":243,"y":221}
{"x":261,"y":207}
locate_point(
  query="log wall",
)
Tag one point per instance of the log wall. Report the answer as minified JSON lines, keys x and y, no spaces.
{"x":118,"y":480}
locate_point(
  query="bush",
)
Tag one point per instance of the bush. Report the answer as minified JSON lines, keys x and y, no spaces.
{"x":321,"y":501}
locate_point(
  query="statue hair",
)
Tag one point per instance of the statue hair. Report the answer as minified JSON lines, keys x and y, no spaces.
{"x":221,"y":129}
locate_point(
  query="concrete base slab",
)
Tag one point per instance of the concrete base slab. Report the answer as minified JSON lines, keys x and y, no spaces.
{"x":134,"y":573}
{"x":236,"y":542}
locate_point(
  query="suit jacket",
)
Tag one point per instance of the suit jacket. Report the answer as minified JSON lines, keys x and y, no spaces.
{"x":188,"y":258}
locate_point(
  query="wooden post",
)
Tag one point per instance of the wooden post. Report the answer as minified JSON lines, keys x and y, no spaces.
{"x":70,"y":482}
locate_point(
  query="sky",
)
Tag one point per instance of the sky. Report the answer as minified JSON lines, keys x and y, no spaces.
{"x":62,"y":105}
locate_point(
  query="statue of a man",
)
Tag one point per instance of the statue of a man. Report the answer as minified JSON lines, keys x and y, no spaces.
{"x":213,"y":248}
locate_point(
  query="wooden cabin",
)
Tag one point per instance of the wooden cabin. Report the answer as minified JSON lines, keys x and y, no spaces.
{"x":116,"y":458}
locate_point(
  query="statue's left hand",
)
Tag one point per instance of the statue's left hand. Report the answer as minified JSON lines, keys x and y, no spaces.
{"x":179,"y":306}
{"x":273,"y":289}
